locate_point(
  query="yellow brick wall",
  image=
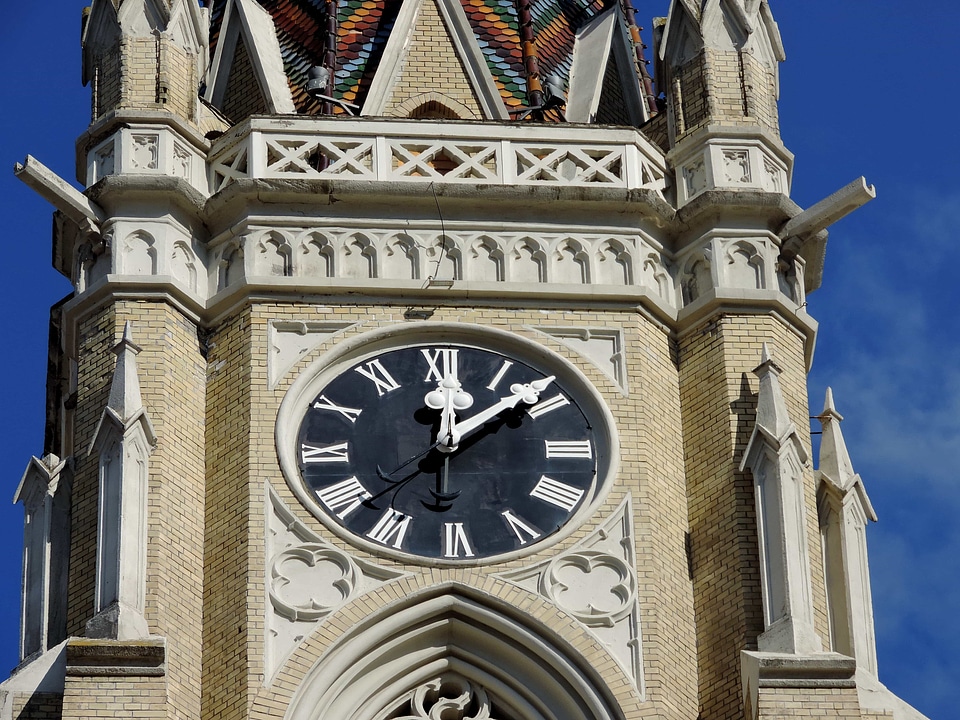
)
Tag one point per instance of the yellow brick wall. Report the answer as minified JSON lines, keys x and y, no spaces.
{"x":137,"y":698}
{"x":228,"y":547}
{"x":172,"y":381}
{"x":431,"y":64}
{"x":243,"y":96}
{"x":808,"y":704}
{"x":242,"y":459}
{"x":728,"y":88}
{"x":718,"y":392}
{"x":38,"y":706}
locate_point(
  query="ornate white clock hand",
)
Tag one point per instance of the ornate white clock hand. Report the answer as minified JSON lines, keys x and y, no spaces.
{"x":448,"y":397}
{"x":527,"y":393}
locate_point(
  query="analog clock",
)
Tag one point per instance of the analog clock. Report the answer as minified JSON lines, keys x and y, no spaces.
{"x":447,"y":451}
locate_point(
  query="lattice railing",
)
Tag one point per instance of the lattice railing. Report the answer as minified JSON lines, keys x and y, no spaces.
{"x":405,"y":151}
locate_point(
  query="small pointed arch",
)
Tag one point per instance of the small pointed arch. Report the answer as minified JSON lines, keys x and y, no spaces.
{"x":358,"y":257}
{"x":486,"y":260}
{"x":399,"y":258}
{"x":444,"y":259}
{"x":696,"y":277}
{"x":571,"y":263}
{"x":316,"y":256}
{"x":516,"y":667}
{"x":231,"y":265}
{"x":434,"y":105}
{"x":744,"y":266}
{"x":614,"y":263}
{"x":527,"y":261}
{"x":139,"y":254}
{"x":655,"y":275}
{"x":681,"y":39}
{"x":183,"y":265}
{"x":274,"y":255}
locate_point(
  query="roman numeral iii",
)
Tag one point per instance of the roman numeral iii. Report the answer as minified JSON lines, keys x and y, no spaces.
{"x":568,"y":449}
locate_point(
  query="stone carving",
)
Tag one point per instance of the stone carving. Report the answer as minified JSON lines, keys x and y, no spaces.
{"x":308,"y":579}
{"x":449,"y":697}
{"x":595,"y":582}
{"x":290,"y":341}
{"x":602,"y":346}
{"x":595,"y":587}
{"x":736,"y":166}
{"x":181,"y":161}
{"x":311,"y":580}
{"x":774,"y":181}
{"x":106,"y":163}
{"x":695,"y":177}
{"x":145,"y":152}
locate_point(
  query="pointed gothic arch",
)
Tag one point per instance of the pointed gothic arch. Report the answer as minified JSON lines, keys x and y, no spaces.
{"x":456,"y":636}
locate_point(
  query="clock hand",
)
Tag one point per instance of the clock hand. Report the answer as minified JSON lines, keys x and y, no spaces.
{"x":388,"y":475}
{"x":527,"y":393}
{"x":448,"y":397}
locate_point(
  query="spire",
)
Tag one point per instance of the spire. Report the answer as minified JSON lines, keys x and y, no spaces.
{"x":835,"y":463}
{"x":125,"y":398}
{"x":775,"y":457}
{"x":773,"y":419}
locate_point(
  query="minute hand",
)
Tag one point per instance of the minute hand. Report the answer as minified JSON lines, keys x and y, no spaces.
{"x":527,"y":393}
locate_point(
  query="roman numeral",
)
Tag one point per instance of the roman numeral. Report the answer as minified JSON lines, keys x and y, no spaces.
{"x":344,"y":497}
{"x":350,"y":414}
{"x":557,"y":493}
{"x":325,"y":454}
{"x":545,"y":406}
{"x":568,"y":449}
{"x":524,"y":532}
{"x":455,"y":540}
{"x":381,"y":378}
{"x":392,"y":525}
{"x":499,"y":376}
{"x":439,"y":370}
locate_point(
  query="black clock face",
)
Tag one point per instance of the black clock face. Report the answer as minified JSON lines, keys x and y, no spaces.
{"x":447,"y":451}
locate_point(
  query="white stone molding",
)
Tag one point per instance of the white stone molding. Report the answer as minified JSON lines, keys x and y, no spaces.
{"x":44,"y":490}
{"x":720,"y":160}
{"x":601,"y":346}
{"x":141,"y":149}
{"x":845,"y":510}
{"x":402,"y":152}
{"x":307,"y":580}
{"x":775,"y":456}
{"x":289,"y":341}
{"x":123,"y":442}
{"x":596,"y":582}
{"x":526,"y":671}
{"x":425,"y":251}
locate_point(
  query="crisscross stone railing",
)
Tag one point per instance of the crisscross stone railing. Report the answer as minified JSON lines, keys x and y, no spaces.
{"x":425,"y":151}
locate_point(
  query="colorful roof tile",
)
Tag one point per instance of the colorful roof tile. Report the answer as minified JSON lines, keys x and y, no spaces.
{"x":364,"y":26}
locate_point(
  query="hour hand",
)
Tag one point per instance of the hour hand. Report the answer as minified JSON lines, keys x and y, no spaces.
{"x":448,"y":398}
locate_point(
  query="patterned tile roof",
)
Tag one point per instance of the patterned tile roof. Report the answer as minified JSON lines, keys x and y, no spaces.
{"x":363,"y":27}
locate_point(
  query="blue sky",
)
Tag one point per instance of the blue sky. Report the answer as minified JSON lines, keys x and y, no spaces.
{"x":868,"y":88}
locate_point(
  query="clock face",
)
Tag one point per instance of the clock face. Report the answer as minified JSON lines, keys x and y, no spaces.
{"x":447,"y":451}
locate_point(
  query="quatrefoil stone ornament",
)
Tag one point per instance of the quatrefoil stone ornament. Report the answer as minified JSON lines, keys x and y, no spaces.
{"x":595,"y":587}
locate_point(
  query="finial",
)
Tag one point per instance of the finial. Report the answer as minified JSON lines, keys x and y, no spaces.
{"x":829,"y":408}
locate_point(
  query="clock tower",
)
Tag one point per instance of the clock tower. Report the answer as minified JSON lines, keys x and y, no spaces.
{"x":438,"y":359}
